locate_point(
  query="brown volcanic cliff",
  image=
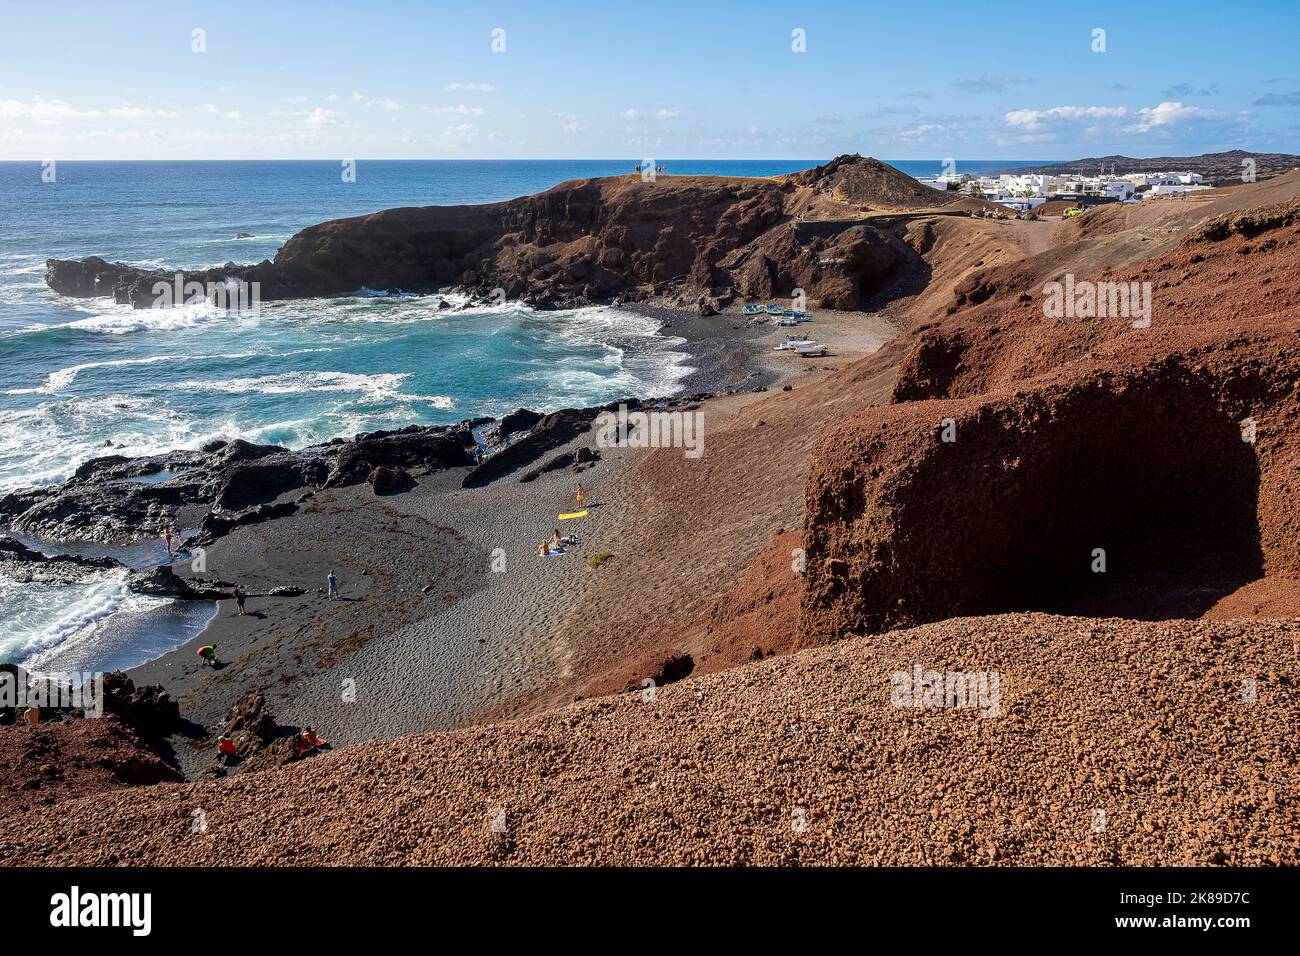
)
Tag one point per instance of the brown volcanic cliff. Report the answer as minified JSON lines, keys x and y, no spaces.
{"x":589,"y":240}
{"x":1073,"y":434}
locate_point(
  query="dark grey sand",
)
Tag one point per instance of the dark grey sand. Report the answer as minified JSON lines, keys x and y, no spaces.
{"x":426,"y":635}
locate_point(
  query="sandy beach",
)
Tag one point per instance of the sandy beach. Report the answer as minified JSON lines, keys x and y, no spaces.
{"x":426,"y":635}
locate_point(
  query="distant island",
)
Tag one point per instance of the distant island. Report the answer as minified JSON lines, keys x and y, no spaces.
{"x":1217,"y":168}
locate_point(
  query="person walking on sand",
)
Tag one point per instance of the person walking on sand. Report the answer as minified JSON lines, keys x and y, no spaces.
{"x":332,"y":587}
{"x":240,"y":596}
{"x":581,"y":495}
{"x":167,"y":539}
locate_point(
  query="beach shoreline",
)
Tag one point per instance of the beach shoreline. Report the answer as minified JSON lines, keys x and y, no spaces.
{"x":427,"y":637}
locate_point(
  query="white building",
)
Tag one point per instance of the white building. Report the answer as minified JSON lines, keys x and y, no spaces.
{"x":1023,"y":203}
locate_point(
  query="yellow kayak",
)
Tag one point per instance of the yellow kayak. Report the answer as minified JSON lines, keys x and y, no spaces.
{"x":574,"y":514}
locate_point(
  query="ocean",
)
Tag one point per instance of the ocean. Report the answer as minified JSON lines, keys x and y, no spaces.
{"x":86,"y":377}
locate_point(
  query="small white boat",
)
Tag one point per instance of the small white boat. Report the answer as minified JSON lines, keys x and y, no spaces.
{"x":753,"y":309}
{"x":807,"y":349}
{"x":793,"y":344}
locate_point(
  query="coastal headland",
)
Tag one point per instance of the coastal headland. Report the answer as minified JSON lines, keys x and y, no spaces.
{"x":1098,"y":511}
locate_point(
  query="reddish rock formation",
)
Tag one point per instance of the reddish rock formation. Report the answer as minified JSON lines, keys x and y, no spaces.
{"x":60,"y":760}
{"x":1072,"y":435}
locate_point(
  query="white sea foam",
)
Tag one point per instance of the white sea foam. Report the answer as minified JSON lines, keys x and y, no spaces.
{"x":45,"y":443}
{"x":61,"y":379}
{"x":383,"y":385}
{"x":123,"y":319}
{"x":40,"y":618}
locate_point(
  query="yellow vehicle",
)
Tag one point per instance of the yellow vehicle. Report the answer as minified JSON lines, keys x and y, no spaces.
{"x":1075,"y":211}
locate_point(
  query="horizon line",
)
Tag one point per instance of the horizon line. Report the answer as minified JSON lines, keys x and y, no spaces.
{"x":550,"y":159}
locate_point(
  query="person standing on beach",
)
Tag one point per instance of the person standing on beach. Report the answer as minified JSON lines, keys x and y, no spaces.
{"x":240,"y":595}
{"x":332,"y":587}
{"x":581,"y":494}
{"x":167,"y":539}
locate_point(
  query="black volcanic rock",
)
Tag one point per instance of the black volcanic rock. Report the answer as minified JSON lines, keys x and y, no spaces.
{"x":162,"y":581}
{"x":519,"y":420}
{"x":219,"y":524}
{"x":25,"y":565}
{"x":246,"y":483}
{"x":387,"y":481}
{"x":552,"y":431}
{"x":149,"y":709}
{"x":431,"y":448}
{"x":580,"y":456}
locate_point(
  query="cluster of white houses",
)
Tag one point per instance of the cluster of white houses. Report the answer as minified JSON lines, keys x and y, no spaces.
{"x":1028,"y":191}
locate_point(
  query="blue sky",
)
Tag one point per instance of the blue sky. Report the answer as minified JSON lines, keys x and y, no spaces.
{"x":325,"y":80}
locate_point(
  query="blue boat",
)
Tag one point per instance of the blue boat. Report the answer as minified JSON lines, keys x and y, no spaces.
{"x":754,"y":309}
{"x":774,"y":308}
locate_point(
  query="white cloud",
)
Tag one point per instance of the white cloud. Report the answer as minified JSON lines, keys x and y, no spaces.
{"x":921,"y":131}
{"x":469,"y":88}
{"x":1108,"y":121}
{"x":461,"y":135}
{"x":297,"y":100}
{"x":667,"y":114}
{"x":460,"y":109}
{"x":1168,"y":113}
{"x":1033,"y":120}
{"x":321,"y":117}
{"x":631,"y":115}
{"x":371,"y":102}
{"x":45,"y":111}
{"x":234,"y":115}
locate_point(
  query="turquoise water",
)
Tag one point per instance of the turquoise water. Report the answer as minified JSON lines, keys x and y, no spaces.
{"x":84,"y":377}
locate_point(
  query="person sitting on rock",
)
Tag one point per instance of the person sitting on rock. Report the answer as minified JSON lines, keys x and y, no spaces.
{"x":32,"y":715}
{"x":309,"y":737}
{"x":226,"y":752}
